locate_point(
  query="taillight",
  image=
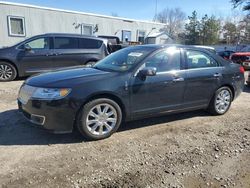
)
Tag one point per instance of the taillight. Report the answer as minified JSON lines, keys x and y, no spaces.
{"x":242,"y":70}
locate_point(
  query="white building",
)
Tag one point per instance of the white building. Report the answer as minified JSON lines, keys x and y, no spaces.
{"x":20,"y":21}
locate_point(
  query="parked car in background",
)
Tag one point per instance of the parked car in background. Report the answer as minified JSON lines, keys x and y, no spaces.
{"x":48,"y":52}
{"x":132,"y":83}
{"x":242,"y":58}
{"x":225,"y":54}
{"x":114,"y":43}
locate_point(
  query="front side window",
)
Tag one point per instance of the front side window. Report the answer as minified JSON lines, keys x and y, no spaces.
{"x":196,"y":59}
{"x":65,"y":43}
{"x":41,"y":43}
{"x":166,"y":60}
{"x":16,"y":26}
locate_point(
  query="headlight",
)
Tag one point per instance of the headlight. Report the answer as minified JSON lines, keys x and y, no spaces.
{"x":50,"y":94}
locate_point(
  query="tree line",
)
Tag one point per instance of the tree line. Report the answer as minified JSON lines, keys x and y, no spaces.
{"x":208,"y":30}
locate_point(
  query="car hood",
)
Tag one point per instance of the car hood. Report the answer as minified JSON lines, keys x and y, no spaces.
{"x":67,"y":77}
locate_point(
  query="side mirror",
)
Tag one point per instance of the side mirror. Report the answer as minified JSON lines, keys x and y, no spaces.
{"x":27,"y":47}
{"x":148,"y":71}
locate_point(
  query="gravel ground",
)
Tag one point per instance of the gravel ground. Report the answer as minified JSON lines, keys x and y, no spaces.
{"x":185,"y":150}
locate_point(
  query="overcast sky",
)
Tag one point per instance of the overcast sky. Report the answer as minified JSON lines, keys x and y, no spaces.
{"x":137,"y":9}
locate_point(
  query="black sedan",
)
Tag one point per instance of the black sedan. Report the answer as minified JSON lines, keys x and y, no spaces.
{"x":133,"y":83}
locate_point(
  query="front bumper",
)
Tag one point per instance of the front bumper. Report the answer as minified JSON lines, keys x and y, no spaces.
{"x":57,"y":116}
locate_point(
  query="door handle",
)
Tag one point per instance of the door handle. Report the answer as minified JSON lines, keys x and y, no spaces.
{"x":217,"y":75}
{"x":179,"y":79}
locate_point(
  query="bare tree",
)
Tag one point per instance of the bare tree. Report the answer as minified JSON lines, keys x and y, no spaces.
{"x":174,"y":18}
{"x":245,"y":3}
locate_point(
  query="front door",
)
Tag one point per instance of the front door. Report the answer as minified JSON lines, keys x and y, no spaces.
{"x":35,"y":56}
{"x":162,"y":92}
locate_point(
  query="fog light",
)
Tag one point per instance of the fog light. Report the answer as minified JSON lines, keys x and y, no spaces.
{"x":40,"y":120}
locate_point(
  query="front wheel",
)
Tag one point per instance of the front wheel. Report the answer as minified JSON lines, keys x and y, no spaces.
{"x":221,"y":101}
{"x":99,"y":119}
{"x":7,"y":72}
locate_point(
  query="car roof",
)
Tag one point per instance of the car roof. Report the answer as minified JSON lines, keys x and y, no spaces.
{"x":158,"y":46}
{"x":69,"y":35}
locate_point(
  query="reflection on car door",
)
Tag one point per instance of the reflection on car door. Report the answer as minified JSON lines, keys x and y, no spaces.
{"x":162,"y":92}
{"x":37,"y":58}
{"x":203,"y":78}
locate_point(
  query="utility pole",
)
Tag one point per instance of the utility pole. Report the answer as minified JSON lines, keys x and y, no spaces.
{"x":156,"y":7}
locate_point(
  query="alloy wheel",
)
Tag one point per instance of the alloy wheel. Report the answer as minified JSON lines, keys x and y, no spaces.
{"x":6,"y":72}
{"x":223,"y":100}
{"x":101,"y":119}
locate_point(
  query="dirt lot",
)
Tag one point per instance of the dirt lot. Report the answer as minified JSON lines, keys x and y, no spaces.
{"x":185,"y":150}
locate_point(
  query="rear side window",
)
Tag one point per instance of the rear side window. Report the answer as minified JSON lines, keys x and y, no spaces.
{"x":196,"y":59}
{"x":65,"y":43}
{"x":85,"y":43}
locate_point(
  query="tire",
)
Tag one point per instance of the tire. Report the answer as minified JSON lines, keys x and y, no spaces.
{"x":90,"y":63}
{"x":221,"y":101}
{"x":99,"y":119}
{"x":7,"y":72}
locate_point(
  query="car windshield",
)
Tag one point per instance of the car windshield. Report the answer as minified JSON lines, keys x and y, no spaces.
{"x":123,"y":60}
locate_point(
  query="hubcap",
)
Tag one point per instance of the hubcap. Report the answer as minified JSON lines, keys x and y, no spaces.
{"x":223,"y":100}
{"x":5,"y":72}
{"x":101,"y":119}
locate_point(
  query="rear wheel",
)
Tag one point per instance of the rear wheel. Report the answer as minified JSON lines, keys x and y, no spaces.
{"x":7,"y":72}
{"x":99,"y":119}
{"x":221,"y":101}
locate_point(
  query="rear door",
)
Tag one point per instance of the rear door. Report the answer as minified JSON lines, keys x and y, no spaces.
{"x":66,"y":52}
{"x":73,"y":51}
{"x":204,"y":75}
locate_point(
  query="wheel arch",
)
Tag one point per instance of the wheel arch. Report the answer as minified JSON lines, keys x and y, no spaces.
{"x":107,"y":95}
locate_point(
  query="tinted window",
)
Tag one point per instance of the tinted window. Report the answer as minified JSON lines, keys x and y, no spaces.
{"x":166,"y":60}
{"x":41,"y":43}
{"x":85,"y":43}
{"x":196,"y":59}
{"x":65,"y":43}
